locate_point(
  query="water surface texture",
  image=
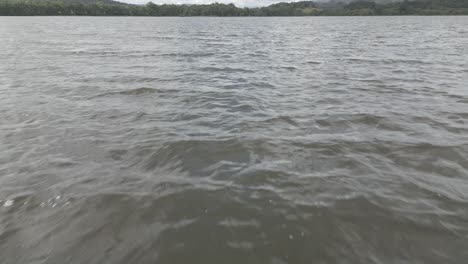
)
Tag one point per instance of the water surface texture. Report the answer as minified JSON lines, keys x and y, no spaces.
{"x":233,"y":140}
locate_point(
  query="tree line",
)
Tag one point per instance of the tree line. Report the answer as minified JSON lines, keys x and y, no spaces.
{"x":304,"y":8}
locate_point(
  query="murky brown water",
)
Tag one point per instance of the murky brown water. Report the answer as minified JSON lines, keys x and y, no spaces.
{"x":233,"y":140}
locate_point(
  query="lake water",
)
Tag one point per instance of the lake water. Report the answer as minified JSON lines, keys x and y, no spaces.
{"x":233,"y":140}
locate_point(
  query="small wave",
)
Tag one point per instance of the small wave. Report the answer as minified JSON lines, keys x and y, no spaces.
{"x":137,"y":91}
{"x":283,"y":119}
{"x":232,"y":222}
{"x":246,"y":245}
{"x":290,"y":68}
{"x":261,"y":85}
{"x":347,"y":122}
{"x":387,"y":61}
{"x":117,"y":154}
{"x":185,"y":155}
{"x":225,"y":69}
{"x":258,"y":54}
{"x":189,"y":55}
{"x":313,"y":62}
{"x":97,"y":53}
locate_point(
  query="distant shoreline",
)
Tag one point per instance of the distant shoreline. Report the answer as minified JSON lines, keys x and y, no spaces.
{"x":412,"y":15}
{"x":293,"y":9}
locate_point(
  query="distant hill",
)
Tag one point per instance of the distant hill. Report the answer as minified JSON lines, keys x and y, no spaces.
{"x":78,"y":1}
{"x":302,"y":8}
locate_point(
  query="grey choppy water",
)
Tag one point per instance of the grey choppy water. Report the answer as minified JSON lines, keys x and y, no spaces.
{"x":234,"y":140}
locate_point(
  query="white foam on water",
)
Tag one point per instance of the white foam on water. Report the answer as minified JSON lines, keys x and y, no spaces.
{"x":8,"y":203}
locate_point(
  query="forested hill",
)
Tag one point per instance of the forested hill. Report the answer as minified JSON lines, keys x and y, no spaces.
{"x":304,"y":8}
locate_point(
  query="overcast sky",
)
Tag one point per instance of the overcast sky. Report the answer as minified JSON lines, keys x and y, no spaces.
{"x":239,"y":3}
